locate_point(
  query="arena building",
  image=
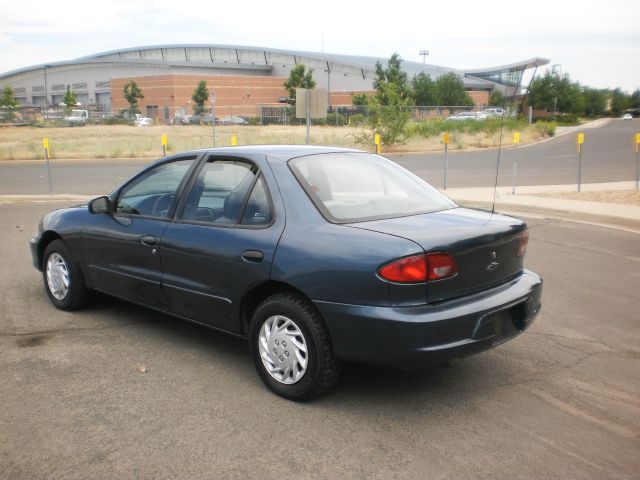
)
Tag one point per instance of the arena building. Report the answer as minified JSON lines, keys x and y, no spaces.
{"x":244,"y":79}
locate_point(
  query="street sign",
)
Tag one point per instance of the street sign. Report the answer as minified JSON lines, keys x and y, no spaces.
{"x":580,"y":139}
{"x":317,"y":103}
{"x":165,"y":140}
{"x":445,"y":138}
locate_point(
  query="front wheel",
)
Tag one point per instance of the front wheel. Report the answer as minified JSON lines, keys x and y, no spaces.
{"x":63,"y":279}
{"x":291,"y":348}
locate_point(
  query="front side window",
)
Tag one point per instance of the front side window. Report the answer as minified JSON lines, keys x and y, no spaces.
{"x":220,"y":192}
{"x":153,"y":193}
{"x":355,"y":187}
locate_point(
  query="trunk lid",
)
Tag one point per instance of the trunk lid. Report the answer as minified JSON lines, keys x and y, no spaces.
{"x":483,"y":244}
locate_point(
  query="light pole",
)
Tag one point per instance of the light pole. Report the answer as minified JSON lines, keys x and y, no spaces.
{"x":424,"y":54}
{"x":212,"y":96}
{"x":46,"y":100}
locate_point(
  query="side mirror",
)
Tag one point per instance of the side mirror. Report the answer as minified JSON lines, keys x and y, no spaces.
{"x":99,"y":205}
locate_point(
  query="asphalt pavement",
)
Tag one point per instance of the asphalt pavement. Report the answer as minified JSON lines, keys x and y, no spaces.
{"x":118,"y":391}
{"x":607,"y":157}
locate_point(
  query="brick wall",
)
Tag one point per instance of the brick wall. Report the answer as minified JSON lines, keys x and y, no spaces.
{"x":235,"y":95}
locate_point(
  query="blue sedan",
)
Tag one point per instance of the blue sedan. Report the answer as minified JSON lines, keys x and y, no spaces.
{"x":316,"y":255}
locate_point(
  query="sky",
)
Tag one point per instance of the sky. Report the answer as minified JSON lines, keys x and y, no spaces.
{"x":597,"y":43}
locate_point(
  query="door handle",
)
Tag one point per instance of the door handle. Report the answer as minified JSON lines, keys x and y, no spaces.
{"x":148,"y":240}
{"x":252,"y":255}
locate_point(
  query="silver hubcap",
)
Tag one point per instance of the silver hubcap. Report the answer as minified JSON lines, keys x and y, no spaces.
{"x":57,"y":276}
{"x":283,"y":349}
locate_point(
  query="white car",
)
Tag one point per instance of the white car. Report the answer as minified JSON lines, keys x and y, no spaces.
{"x":77,"y":117}
{"x":494,"y":112}
{"x":143,"y":121}
{"x":468,"y":116}
{"x":627,"y":116}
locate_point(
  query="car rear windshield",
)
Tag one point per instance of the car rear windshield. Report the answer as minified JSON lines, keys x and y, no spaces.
{"x":356,"y":187}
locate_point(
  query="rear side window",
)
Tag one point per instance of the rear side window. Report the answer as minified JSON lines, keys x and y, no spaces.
{"x":219,"y":193}
{"x":229,"y":192}
{"x":354,"y":187}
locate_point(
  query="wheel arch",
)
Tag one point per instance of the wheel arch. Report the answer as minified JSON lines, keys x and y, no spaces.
{"x":257,"y":294}
{"x":45,"y":239}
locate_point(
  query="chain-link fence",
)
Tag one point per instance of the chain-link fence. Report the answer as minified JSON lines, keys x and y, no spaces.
{"x":270,"y":114}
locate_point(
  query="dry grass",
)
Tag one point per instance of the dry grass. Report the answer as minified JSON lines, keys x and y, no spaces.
{"x":122,"y":141}
{"x":627,"y":197}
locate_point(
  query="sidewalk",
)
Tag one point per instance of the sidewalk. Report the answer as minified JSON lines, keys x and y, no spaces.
{"x":524,"y":202}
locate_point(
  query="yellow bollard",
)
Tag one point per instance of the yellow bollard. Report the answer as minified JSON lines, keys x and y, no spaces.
{"x":165,"y":143}
{"x":234,"y":140}
{"x":376,"y":142}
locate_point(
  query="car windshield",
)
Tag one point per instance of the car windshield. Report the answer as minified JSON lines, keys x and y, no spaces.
{"x":355,"y":187}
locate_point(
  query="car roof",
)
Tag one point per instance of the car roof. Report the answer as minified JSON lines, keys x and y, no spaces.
{"x":277,"y":152}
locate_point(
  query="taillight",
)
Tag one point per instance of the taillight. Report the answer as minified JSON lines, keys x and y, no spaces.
{"x":406,"y":270}
{"x":522,"y":246}
{"x":441,"y":266}
{"x":420,"y":268}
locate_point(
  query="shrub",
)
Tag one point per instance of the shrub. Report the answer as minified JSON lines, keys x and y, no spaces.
{"x":546,"y":128}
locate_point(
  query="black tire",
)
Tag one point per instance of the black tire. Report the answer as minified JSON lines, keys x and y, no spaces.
{"x":76,"y":294}
{"x":322,"y":369}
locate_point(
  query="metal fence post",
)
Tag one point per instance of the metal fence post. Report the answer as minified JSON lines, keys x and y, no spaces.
{"x":516,"y":141}
{"x":45,"y":144}
{"x":580,"y":142}
{"x":445,"y":139}
{"x":638,"y":161}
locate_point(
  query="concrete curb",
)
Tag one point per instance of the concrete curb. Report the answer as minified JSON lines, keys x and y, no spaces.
{"x":14,"y":199}
{"x":556,"y":214}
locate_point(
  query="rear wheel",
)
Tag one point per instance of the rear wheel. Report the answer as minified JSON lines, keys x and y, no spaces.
{"x":63,"y":279}
{"x":291,"y":348}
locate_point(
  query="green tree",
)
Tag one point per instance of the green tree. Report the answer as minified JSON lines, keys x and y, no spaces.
{"x":554,"y":93}
{"x":619,"y":102}
{"x":200,"y":96}
{"x":424,"y":90}
{"x":450,"y":91}
{"x":299,"y":77}
{"x":69,"y":98}
{"x":9,"y":104}
{"x":595,"y":101}
{"x":133,"y":93}
{"x":391,"y":80}
{"x":634,"y":101}
{"x":360,"y":99}
{"x":497,"y":98}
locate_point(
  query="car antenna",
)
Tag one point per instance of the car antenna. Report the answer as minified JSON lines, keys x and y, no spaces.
{"x":505,"y":102}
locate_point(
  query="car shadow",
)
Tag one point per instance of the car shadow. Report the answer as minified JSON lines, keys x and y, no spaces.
{"x":438,"y":385}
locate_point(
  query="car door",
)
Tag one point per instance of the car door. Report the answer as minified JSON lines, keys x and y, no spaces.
{"x":121,"y":247}
{"x":221,"y":243}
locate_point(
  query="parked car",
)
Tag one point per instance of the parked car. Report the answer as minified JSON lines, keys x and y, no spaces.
{"x":77,"y":117}
{"x":232,"y":120}
{"x":494,"y":112}
{"x":627,"y":116}
{"x":461,"y":116}
{"x":314,"y":254}
{"x":201,"y":119}
{"x":141,"y":121}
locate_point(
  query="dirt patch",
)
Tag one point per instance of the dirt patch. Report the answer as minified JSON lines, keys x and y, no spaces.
{"x":626,"y":197}
{"x":32,"y":341}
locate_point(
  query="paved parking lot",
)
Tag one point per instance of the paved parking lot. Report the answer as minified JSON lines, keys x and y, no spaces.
{"x":117,"y":391}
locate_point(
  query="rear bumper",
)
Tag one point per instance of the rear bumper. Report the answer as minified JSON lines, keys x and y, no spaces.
{"x":431,"y":334}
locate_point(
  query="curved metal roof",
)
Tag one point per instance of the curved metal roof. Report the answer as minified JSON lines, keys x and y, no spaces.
{"x":357,"y":61}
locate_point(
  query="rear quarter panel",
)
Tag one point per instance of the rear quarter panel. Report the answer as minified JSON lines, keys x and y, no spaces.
{"x":336,"y":263}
